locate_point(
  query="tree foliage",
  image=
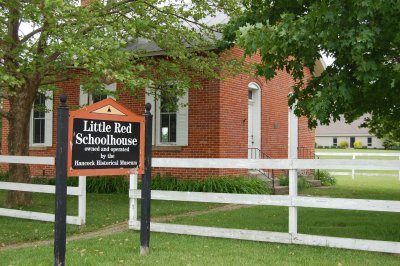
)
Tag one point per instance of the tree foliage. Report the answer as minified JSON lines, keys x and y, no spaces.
{"x":43,"y":42}
{"x":97,"y":39}
{"x":362,"y":36}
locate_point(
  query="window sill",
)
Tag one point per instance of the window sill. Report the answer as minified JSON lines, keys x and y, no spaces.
{"x":167,"y":148}
{"x":38,"y":148}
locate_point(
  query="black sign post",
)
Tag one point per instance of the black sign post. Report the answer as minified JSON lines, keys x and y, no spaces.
{"x":61,"y":183}
{"x":146,"y":184}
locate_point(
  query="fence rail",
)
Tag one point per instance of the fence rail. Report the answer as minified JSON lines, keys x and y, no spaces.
{"x":292,"y":201}
{"x":79,"y":191}
{"x":284,"y":164}
{"x":370,"y":154}
{"x":354,"y":157}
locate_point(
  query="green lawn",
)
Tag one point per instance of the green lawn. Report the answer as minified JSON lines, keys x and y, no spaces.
{"x":168,"y":249}
{"x":367,"y":151}
{"x":362,"y":187}
{"x":102,"y":210}
{"x":350,"y":151}
{"x":357,"y":151}
{"x":329,"y":222}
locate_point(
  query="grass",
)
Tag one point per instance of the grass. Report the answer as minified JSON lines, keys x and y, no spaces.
{"x":166,"y":249}
{"x":226,"y":184}
{"x":341,"y":223}
{"x":102,"y":210}
{"x":338,"y":223}
{"x":351,"y":151}
{"x":357,"y":150}
{"x":362,"y":187}
{"x":367,"y":151}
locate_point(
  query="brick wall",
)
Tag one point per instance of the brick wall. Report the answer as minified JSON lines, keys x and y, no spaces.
{"x":234,"y":115}
{"x":71,"y":89}
{"x":218,"y":126}
{"x":203,"y":130}
{"x":306,"y":135}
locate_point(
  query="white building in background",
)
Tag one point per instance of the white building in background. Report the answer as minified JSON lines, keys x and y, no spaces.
{"x":336,"y":132}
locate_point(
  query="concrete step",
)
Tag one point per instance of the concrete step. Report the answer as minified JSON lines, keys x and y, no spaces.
{"x":253,"y":172}
{"x":257,"y":174}
{"x":281,"y":190}
{"x":309,"y":177}
{"x":276,"y":182}
{"x":314,"y":183}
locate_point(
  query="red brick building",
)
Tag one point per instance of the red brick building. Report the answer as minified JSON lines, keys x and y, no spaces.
{"x":237,"y":117}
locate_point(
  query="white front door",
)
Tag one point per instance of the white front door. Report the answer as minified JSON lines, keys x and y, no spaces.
{"x":250,"y":119}
{"x":254,"y":124}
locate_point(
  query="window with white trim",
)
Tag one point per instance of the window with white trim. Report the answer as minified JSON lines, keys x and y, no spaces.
{"x":90,"y":98}
{"x":170,"y":119}
{"x":168,"y":114}
{"x":41,"y":122}
{"x":369,"y":141}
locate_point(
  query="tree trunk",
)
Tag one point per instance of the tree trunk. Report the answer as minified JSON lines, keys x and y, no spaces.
{"x":18,"y":144}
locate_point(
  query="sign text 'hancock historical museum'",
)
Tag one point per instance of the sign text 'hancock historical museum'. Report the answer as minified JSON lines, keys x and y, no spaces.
{"x":105,"y":138}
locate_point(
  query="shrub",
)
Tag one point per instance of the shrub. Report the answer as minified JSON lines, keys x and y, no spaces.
{"x":107,"y":184}
{"x":358,"y":144}
{"x":343,"y":144}
{"x":118,"y":184}
{"x":325,"y":177}
{"x":301,"y":183}
{"x":3,"y":176}
{"x":390,"y":144}
{"x":94,"y":184}
{"x":227,"y":184}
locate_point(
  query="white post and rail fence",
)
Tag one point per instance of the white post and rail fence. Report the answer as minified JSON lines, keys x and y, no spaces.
{"x":354,"y":155}
{"x":293,"y":201}
{"x":79,"y":191}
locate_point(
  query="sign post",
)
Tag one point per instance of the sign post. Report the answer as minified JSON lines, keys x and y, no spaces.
{"x":61,"y":184}
{"x":106,"y":138}
{"x":146,"y":185}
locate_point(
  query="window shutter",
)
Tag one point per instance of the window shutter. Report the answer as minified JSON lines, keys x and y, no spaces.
{"x":149,"y":98}
{"x":83,"y":96}
{"x":183,"y":121}
{"x":48,"y":135}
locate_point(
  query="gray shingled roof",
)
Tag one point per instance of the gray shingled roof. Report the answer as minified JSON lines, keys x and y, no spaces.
{"x":153,"y":49}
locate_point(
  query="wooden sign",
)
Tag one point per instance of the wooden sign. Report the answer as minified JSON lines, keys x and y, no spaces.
{"x":105,"y":138}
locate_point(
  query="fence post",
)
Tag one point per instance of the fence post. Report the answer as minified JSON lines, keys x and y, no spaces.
{"x":82,"y":200}
{"x":146,"y":185}
{"x":292,"y":154}
{"x":132,"y":201}
{"x":399,"y":170}
{"x":352,"y":170}
{"x":61,"y":183}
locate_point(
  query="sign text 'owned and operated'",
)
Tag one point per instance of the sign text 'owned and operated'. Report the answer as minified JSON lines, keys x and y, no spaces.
{"x":105,"y":144}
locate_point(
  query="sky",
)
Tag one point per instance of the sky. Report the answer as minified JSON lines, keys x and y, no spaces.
{"x":327,"y":59}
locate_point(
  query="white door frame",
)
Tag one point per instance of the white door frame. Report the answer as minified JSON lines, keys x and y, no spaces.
{"x":254,"y":122}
